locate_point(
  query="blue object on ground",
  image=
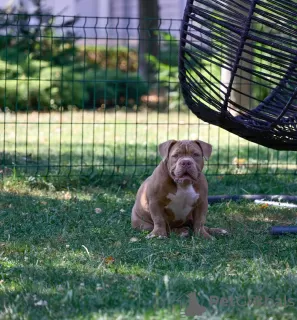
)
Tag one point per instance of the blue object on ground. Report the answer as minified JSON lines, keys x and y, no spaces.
{"x":280,"y":230}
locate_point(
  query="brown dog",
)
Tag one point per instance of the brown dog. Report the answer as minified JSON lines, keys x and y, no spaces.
{"x":175,"y":197}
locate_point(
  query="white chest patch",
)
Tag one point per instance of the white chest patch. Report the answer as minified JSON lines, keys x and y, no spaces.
{"x":182,"y":202}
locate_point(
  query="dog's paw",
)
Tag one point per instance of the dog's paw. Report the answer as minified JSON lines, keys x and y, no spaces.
{"x":203,"y":233}
{"x":218,"y":231}
{"x":156,"y":234}
{"x":207,"y":236}
{"x":182,"y":232}
{"x":151,"y":236}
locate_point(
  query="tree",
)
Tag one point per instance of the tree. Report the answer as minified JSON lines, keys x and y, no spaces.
{"x":148,"y":36}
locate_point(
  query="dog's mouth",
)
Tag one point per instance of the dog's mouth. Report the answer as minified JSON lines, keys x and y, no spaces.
{"x":184,"y":177}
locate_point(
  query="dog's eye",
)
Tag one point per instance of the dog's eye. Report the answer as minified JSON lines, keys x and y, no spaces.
{"x":175,"y":155}
{"x":196,"y":155}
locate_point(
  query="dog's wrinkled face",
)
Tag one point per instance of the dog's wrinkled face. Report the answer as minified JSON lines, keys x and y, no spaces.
{"x":185,"y":159}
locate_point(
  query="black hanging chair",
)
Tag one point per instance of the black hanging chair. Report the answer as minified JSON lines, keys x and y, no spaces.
{"x":238,"y":67}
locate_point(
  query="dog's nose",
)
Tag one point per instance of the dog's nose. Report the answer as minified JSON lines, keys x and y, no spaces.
{"x":185,"y":163}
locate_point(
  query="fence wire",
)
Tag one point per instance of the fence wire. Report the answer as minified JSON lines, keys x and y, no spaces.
{"x":95,"y":96}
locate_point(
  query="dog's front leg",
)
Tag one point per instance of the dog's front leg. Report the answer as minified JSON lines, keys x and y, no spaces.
{"x":199,"y":218}
{"x":158,"y":216}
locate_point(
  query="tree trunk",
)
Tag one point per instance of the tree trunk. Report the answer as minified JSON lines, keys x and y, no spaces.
{"x":148,"y":37}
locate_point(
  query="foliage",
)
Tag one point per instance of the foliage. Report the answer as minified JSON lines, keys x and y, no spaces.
{"x":44,"y":67}
{"x":37,"y":86}
{"x":43,"y":70}
{"x":32,"y":63}
{"x":56,"y":87}
{"x":121,"y":58}
{"x":33,"y":33}
{"x":165,"y":66}
{"x":116,"y":88}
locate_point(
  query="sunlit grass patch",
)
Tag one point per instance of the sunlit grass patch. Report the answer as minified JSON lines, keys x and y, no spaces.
{"x":117,"y":142}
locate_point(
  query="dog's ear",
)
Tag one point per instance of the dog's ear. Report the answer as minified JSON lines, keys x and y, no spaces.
{"x":206,"y":148}
{"x":165,"y":147}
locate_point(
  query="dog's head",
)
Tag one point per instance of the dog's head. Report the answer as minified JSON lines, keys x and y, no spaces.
{"x":185,"y":158}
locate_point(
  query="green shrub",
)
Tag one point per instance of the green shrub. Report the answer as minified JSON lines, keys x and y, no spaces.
{"x":36,"y":85}
{"x":44,"y":89}
{"x":112,"y":87}
{"x":121,"y":58}
{"x":41,"y":71}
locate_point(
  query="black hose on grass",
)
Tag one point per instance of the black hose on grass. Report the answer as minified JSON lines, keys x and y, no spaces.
{"x":274,"y":230}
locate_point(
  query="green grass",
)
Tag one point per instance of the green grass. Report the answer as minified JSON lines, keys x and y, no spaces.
{"x":117,"y":142}
{"x":55,"y":258}
{"x":59,"y":259}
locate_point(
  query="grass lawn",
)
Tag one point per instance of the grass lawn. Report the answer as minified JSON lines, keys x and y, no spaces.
{"x":73,"y":255}
{"x":117,"y":142}
{"x":67,"y":250}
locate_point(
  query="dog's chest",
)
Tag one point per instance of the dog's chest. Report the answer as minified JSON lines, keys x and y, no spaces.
{"x":181,"y":203}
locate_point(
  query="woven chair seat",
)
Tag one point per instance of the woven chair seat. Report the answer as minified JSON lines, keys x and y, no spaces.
{"x":238,"y":67}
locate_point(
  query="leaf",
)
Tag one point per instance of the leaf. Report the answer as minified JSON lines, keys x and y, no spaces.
{"x":109,"y":260}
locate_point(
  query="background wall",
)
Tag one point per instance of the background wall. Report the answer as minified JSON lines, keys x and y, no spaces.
{"x":106,"y":8}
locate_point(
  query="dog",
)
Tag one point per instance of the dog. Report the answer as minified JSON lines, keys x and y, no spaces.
{"x":175,"y":197}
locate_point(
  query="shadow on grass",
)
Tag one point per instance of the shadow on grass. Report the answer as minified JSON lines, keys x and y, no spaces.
{"x":60,"y":259}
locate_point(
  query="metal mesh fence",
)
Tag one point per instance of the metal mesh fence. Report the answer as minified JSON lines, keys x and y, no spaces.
{"x":95,"y":97}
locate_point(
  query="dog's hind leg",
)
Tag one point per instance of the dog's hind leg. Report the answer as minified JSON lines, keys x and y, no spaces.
{"x":139,"y":223}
